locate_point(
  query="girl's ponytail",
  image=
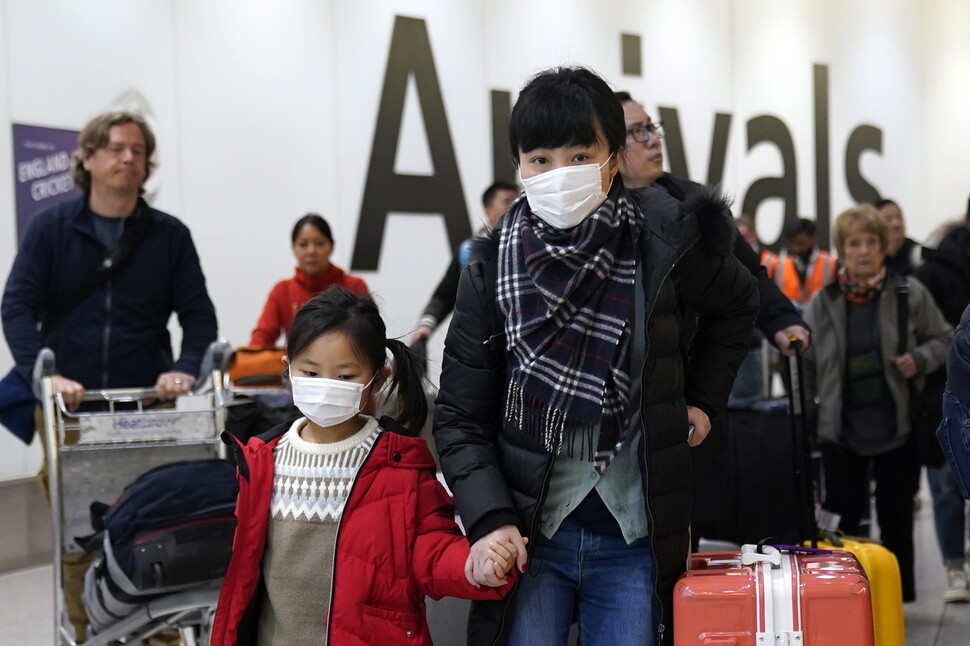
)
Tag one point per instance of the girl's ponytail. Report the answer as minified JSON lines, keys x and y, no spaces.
{"x":407,"y":384}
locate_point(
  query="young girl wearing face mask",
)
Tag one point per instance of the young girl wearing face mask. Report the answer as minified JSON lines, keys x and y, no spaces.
{"x":343,"y":527}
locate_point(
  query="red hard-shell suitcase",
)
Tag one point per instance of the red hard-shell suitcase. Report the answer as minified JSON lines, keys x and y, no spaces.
{"x":773,"y":597}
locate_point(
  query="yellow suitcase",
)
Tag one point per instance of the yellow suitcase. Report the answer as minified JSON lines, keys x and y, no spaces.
{"x":884,"y":582}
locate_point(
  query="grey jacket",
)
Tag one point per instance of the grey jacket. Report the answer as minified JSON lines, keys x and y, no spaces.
{"x":928,"y":339}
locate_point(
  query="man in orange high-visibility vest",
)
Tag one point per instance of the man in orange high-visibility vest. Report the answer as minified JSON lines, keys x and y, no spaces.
{"x":802,"y":269}
{"x":747,"y":231}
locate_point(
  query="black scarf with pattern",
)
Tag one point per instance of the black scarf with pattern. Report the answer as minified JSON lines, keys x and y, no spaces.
{"x":567,"y":297}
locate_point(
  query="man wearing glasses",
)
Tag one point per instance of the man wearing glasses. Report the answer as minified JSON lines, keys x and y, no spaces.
{"x":641,"y":165}
{"x":642,"y":162}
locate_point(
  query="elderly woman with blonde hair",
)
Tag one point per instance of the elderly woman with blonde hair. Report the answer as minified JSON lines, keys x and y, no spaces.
{"x":876,"y":334}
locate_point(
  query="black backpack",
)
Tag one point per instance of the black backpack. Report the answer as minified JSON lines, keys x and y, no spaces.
{"x":172,"y":526}
{"x":170,"y":530}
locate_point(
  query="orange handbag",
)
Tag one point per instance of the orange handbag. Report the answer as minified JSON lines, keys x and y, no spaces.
{"x":257,"y":366}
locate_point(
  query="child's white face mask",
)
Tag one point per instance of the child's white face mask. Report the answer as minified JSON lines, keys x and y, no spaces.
{"x":328,"y":402}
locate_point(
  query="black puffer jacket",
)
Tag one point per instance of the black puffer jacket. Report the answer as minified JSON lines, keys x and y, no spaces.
{"x":946,"y":273}
{"x":777,"y":312}
{"x":499,"y":475}
{"x":712,"y":466}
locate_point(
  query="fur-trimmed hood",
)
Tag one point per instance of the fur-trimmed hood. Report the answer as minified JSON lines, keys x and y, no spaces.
{"x":712,"y":208}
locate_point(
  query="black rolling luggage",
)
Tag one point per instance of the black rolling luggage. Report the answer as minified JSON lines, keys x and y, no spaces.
{"x":759,"y":487}
{"x":170,"y":530}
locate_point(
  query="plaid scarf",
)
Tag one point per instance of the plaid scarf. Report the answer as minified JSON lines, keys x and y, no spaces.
{"x":567,"y":297}
{"x":861,"y":292}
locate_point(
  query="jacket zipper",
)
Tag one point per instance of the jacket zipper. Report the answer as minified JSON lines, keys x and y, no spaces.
{"x":336,"y":539}
{"x":106,"y":337}
{"x":661,"y":628}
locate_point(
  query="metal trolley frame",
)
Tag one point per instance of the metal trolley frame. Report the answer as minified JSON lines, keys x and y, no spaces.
{"x":92,"y":456}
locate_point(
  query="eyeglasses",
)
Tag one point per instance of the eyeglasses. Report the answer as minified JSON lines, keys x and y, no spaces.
{"x":641,"y":134}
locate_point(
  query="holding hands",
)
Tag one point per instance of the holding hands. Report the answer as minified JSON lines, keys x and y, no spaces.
{"x":494,"y":555}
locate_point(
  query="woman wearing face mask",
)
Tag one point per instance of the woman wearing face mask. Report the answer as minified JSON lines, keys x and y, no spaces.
{"x":566,"y":398}
{"x":343,"y":527}
{"x":312,"y":244}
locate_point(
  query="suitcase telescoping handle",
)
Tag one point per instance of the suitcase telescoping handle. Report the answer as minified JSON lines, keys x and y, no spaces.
{"x":801,"y":447}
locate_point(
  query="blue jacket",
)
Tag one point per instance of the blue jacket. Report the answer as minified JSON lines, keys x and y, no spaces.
{"x":118,"y":336}
{"x":954,"y":430}
{"x":958,"y":360}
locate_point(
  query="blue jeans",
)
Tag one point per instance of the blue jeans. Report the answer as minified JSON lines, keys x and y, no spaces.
{"x":954,"y":437}
{"x":948,"y":513}
{"x":602,"y":583}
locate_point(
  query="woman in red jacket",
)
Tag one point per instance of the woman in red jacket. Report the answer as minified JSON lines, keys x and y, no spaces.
{"x":312,"y":245}
{"x":343,"y":527}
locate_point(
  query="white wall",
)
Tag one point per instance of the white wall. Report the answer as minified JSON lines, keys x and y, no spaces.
{"x":257,"y":123}
{"x":944,"y":128}
{"x":266,"y":110}
{"x":16,"y":460}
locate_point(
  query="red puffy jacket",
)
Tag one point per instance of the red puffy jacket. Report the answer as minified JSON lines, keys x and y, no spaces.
{"x":288,"y":296}
{"x":397,"y":543}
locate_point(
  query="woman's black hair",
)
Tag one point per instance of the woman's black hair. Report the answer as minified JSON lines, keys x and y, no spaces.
{"x":356,"y":316}
{"x":562,"y":107}
{"x":314,"y":219}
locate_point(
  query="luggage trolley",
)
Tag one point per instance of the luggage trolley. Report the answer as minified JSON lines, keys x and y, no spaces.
{"x":255,"y":403}
{"x":108,"y":449}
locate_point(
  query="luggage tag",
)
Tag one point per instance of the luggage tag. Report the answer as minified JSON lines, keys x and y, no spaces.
{"x":801,"y":549}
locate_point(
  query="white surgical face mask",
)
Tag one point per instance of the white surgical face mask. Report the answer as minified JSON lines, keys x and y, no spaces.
{"x":566,"y":196}
{"x":327,"y":402}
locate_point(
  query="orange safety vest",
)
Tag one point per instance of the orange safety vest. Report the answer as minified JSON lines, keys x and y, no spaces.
{"x":821,"y":271}
{"x":768,"y":258}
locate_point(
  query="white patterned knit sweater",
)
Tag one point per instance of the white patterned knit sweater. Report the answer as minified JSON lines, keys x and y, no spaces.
{"x":311,"y":483}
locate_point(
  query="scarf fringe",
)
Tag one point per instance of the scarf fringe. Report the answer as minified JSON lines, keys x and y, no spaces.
{"x":548,"y":425}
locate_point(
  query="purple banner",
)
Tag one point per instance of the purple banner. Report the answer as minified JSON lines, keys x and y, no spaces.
{"x":42,"y":169}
